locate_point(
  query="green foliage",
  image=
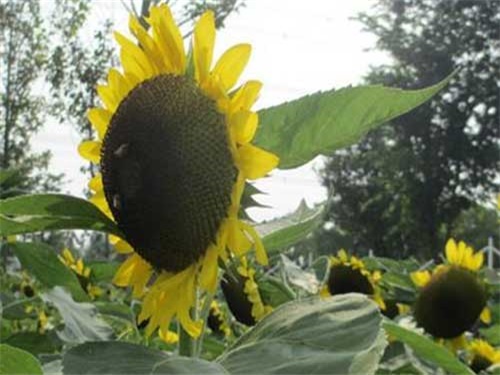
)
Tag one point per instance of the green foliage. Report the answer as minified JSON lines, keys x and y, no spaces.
{"x":34,"y":213}
{"x":42,"y":262}
{"x":283,"y":232}
{"x":80,"y":321}
{"x":34,"y":342}
{"x":401,"y":189}
{"x":318,"y":335}
{"x":321,"y":123}
{"x":124,"y":358}
{"x":427,"y":350}
{"x":17,"y":361}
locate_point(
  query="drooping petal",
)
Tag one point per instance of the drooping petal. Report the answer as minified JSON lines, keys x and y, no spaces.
{"x":208,"y":275}
{"x":260,"y":252}
{"x":231,"y":64}
{"x":237,"y":241}
{"x":134,"y":272}
{"x":90,"y":150}
{"x":255,"y":162}
{"x":203,"y":45}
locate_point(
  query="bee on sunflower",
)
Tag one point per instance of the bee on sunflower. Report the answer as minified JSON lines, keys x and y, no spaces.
{"x":482,"y":355}
{"x":174,"y":151}
{"x":82,"y":272}
{"x":348,"y":274}
{"x":453,"y":297}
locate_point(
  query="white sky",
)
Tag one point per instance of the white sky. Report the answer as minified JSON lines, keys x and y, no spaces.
{"x":299,"y":47}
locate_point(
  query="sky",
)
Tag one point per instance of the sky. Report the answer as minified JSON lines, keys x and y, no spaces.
{"x":298,"y":48}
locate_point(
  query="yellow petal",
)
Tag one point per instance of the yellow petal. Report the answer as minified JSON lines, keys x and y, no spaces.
{"x":99,"y":118}
{"x":255,"y":162}
{"x":133,"y":272}
{"x":151,"y":50}
{"x":420,"y":278}
{"x":123,"y":247}
{"x":168,"y":37}
{"x":342,"y":255}
{"x":90,"y":150}
{"x":451,"y":251}
{"x":137,"y":54}
{"x":485,"y":316}
{"x":237,"y":241}
{"x":208,"y":275}
{"x":243,"y":125}
{"x":203,"y":45}
{"x":246,"y":96}
{"x":168,"y":336}
{"x":108,"y":97}
{"x":477,"y":261}
{"x":260,"y":252}
{"x":231,"y":65}
{"x":68,"y":257}
{"x":95,"y":183}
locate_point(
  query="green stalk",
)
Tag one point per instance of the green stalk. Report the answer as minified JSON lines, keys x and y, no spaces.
{"x":185,"y":343}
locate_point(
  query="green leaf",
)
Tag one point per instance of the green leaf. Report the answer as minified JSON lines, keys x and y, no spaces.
{"x":124,"y":358}
{"x":14,"y":308}
{"x":17,"y":361}
{"x":321,"y":123}
{"x":427,"y":349}
{"x":295,"y":275}
{"x":491,"y":334}
{"x":117,"y":310}
{"x":274,"y":292}
{"x":340,"y":335}
{"x":80,"y":321}
{"x":103,"y":271}
{"x":33,"y":342}
{"x":286,"y":231}
{"x":43,"y":212}
{"x":41,"y":261}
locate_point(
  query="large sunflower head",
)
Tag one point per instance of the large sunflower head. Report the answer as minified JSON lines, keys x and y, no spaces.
{"x":348,"y":274}
{"x":174,"y":151}
{"x":482,"y":355}
{"x":453,"y":297}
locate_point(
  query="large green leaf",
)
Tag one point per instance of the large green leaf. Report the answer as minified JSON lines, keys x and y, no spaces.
{"x":124,"y":358}
{"x":321,"y":123}
{"x":427,"y":349}
{"x":491,"y":334}
{"x":103,"y":271}
{"x":81,"y":322}
{"x":340,"y":335}
{"x":42,"y":212}
{"x":286,"y":231}
{"x":42,"y":261}
{"x":13,"y":308}
{"x":17,"y":361}
{"x":34,"y":342}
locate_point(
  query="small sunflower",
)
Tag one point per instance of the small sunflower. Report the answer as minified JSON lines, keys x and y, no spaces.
{"x":348,"y":274}
{"x":217,"y":320}
{"x":81,"y":271}
{"x":453,"y":297}
{"x":482,"y":355}
{"x":174,"y":151}
{"x":242,"y":295}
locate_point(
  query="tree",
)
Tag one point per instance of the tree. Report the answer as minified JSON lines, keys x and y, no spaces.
{"x":401,"y":189}
{"x":23,"y":49}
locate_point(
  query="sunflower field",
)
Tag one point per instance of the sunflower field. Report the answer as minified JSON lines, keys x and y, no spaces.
{"x":193,"y":285}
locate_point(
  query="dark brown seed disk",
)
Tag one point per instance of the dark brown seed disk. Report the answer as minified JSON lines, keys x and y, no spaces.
{"x":450,"y":303}
{"x":215,"y":322}
{"x":344,"y":279}
{"x":391,"y":309}
{"x":480,"y":363}
{"x":168,"y":171}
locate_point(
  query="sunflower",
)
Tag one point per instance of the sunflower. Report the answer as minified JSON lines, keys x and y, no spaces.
{"x":217,"y":321}
{"x":348,"y":274}
{"x":242,"y":295}
{"x":482,"y":355}
{"x":82,"y":272}
{"x":453,"y":297}
{"x":174,"y":151}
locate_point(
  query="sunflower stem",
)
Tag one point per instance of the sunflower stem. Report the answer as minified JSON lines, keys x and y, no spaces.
{"x":203,"y":316}
{"x":185,"y":343}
